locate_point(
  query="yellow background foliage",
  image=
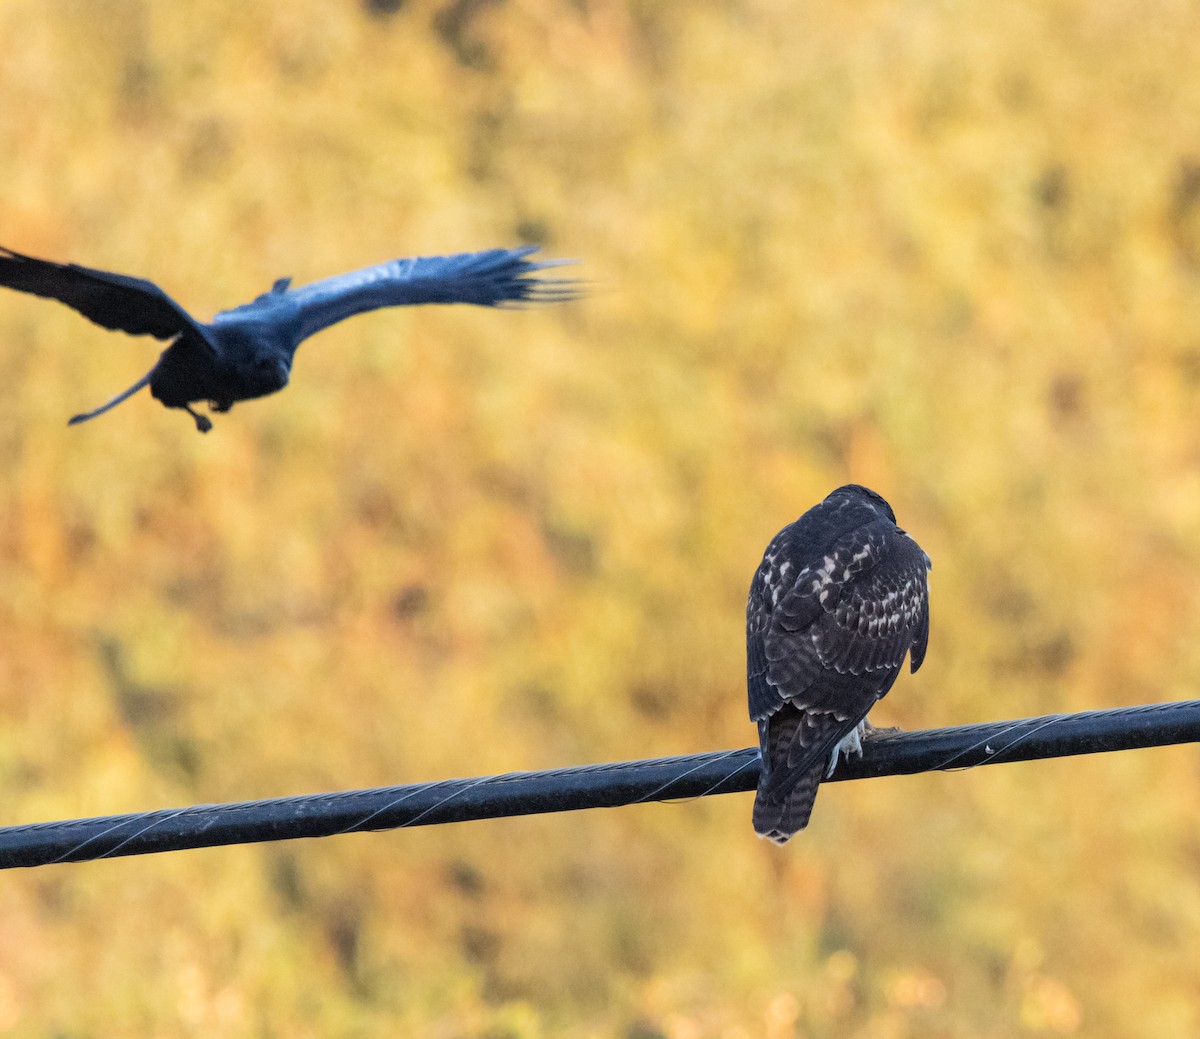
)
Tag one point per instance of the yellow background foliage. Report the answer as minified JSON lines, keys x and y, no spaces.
{"x":949,"y":250}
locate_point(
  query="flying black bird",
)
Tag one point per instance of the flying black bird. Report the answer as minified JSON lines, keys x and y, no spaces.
{"x":247,"y":352}
{"x":840,"y":598}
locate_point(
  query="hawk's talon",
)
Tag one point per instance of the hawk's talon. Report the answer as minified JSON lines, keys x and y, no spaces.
{"x":874,"y":732}
{"x":850,"y":744}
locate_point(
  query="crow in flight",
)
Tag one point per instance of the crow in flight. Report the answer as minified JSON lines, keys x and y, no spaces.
{"x":247,"y":352}
{"x":839,"y":600}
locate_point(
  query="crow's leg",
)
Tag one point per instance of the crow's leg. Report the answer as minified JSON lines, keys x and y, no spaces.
{"x":203,"y":422}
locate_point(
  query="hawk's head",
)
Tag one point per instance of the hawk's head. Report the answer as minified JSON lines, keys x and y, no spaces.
{"x":859,"y":495}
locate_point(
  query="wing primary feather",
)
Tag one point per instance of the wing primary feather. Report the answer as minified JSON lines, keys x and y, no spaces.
{"x":492,"y":278}
{"x":116,"y":301}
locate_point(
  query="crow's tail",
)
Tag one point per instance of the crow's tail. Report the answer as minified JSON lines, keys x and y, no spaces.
{"x":125,"y":395}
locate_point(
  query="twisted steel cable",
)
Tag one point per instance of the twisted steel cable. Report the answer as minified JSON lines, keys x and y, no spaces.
{"x":606,"y":785}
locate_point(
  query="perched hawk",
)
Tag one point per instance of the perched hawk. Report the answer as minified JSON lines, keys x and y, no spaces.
{"x":840,"y":598}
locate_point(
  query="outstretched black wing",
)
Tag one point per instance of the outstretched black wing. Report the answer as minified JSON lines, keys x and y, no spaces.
{"x":827,"y":631}
{"x":114,"y":301}
{"x":491,"y":278}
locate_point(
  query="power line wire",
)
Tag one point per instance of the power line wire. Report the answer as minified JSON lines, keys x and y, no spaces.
{"x":586,"y":786}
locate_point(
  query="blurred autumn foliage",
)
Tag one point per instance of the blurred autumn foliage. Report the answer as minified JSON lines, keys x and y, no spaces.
{"x":948,"y":250}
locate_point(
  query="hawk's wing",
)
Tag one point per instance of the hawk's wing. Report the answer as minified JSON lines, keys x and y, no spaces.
{"x":487,"y":279}
{"x":857,"y":611}
{"x":115,"y":301}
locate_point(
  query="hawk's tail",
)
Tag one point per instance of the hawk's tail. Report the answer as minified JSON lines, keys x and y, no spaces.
{"x":784,"y":801}
{"x":787,"y":786}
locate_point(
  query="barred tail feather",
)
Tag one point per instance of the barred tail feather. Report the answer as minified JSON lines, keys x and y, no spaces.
{"x":786,"y":792}
{"x":782,"y":806}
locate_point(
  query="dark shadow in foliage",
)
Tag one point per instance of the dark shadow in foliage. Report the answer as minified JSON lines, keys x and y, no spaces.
{"x":1051,"y":189}
{"x":480,"y":945}
{"x":287,"y":881}
{"x":1052,"y":195}
{"x":574,"y":549}
{"x":454,"y":26}
{"x":645,"y":1029}
{"x":1184,"y":220}
{"x":465,"y":878}
{"x":339,"y":917}
{"x":410,"y":601}
{"x":342,"y":924}
{"x":536,"y":231}
{"x":151,"y":713}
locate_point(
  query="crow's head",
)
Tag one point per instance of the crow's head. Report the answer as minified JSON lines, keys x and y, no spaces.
{"x":255,"y":361}
{"x":267,"y":372}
